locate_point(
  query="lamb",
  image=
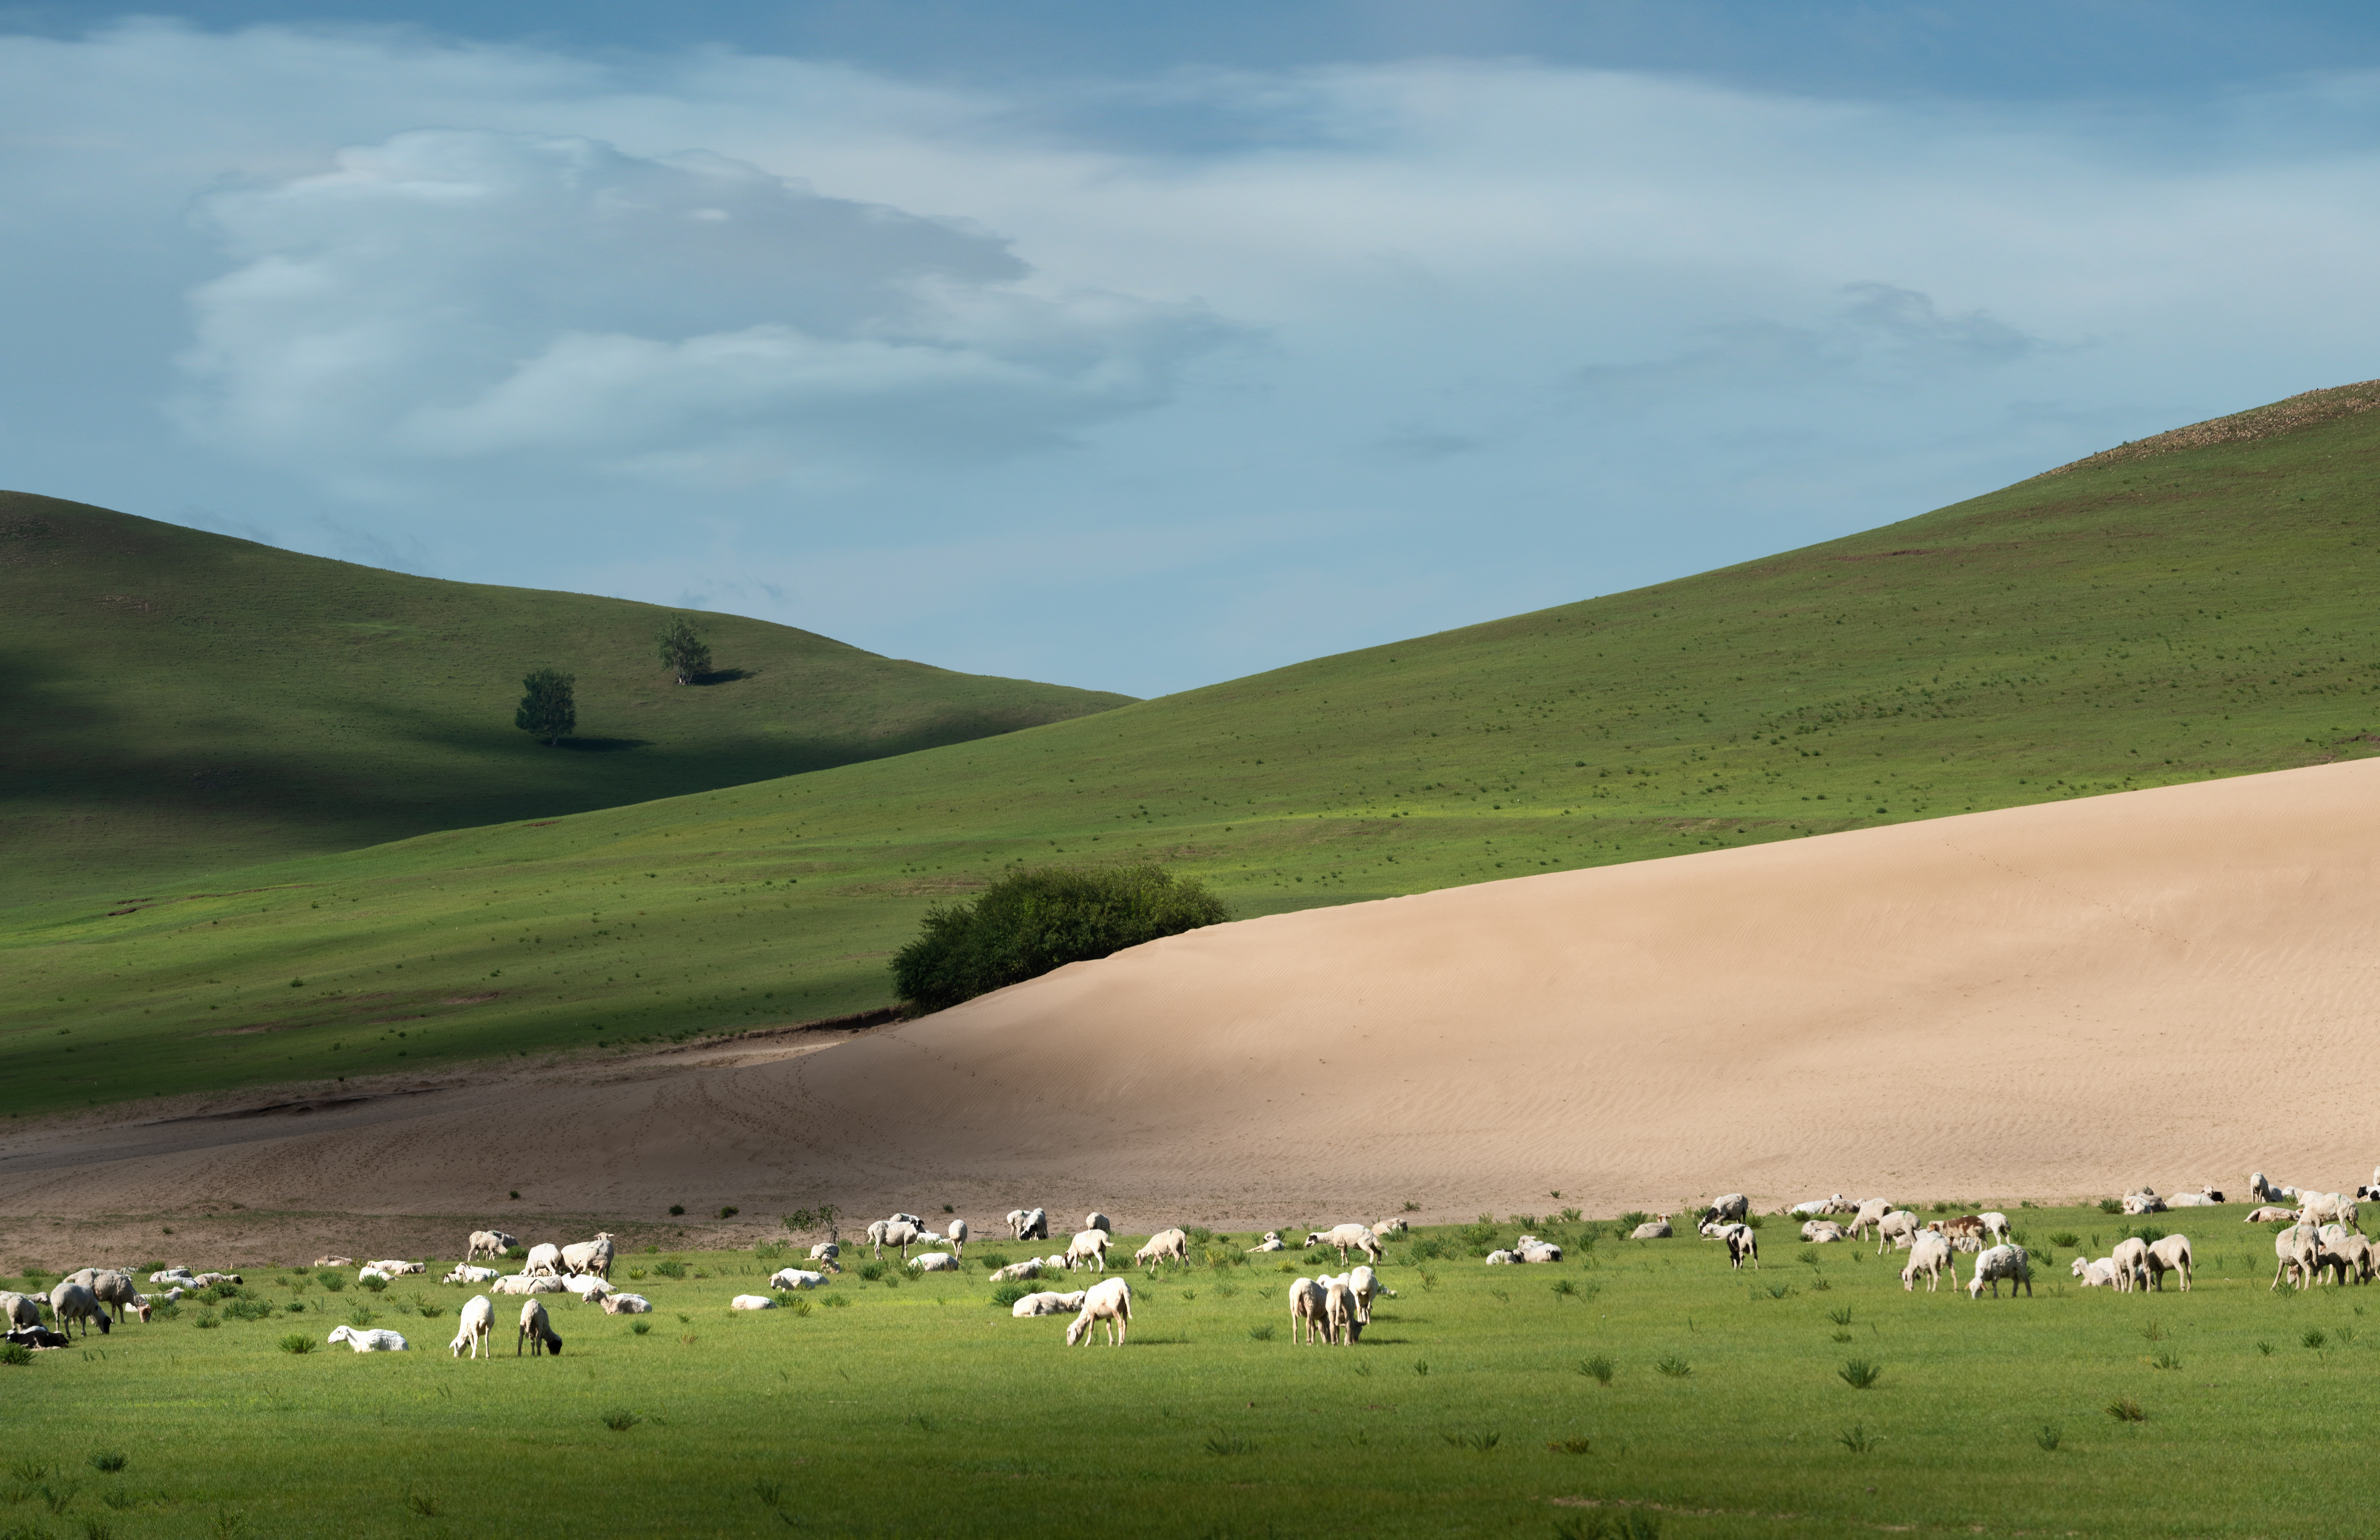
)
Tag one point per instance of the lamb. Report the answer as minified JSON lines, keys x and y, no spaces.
{"x":1868,"y":1213}
{"x":471,"y":1276}
{"x":587,"y":1286}
{"x":751,"y":1302}
{"x":1097,"y":1221}
{"x":1306,"y":1320}
{"x":1339,"y":1312}
{"x":1271,"y":1242}
{"x":537,"y":1331}
{"x":474,"y":1328}
{"x":934,"y":1262}
{"x":1089,"y":1245}
{"x":589,"y":1256}
{"x":17,"y":1310}
{"x":1029,"y":1224}
{"x":1366,"y":1286}
{"x":1820,"y":1232}
{"x":1896,"y":1229}
{"x":625,"y":1304}
{"x":1018,"y":1272}
{"x":369,"y":1342}
{"x":958,"y":1234}
{"x":1047,"y":1305}
{"x":543,"y":1260}
{"x":1501,"y":1259}
{"x":1347,"y":1237}
{"x":398,"y":1267}
{"x":2001,"y":1262}
{"x":2169,"y":1254}
{"x":1109,"y":1302}
{"x":488,"y":1243}
{"x":2130,"y":1256}
{"x":1732,"y":1206}
{"x":1930,"y":1253}
{"x":2145,"y":1201}
{"x":2297,"y":1251}
{"x":2095,"y":1274}
{"x":1654,"y":1229}
{"x":1533,"y":1250}
{"x":828,"y":1254}
{"x":1165,"y":1245}
{"x":71,"y":1301}
{"x":897,"y":1233}
{"x":794,"y":1278}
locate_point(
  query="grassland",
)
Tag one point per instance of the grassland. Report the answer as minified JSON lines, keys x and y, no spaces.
{"x":2170,"y":612}
{"x":181,"y":702}
{"x":1475,"y":1405}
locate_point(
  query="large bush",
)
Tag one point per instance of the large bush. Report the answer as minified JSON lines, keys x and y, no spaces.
{"x":1030,"y":921}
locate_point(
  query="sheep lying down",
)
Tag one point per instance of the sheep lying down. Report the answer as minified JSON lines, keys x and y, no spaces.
{"x":1048,"y":1304}
{"x":369,"y":1341}
{"x":934,"y":1262}
{"x":751,"y":1302}
{"x":625,"y":1304}
{"x":796,"y":1278}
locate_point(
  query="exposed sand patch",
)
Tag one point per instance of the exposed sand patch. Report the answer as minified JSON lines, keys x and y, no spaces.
{"x":2170,"y":987}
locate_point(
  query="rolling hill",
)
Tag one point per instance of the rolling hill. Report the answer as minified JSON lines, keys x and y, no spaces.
{"x":2186,"y":607}
{"x":181,"y":702}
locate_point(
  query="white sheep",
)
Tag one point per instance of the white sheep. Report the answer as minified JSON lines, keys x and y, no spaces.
{"x":471,"y":1276}
{"x":1996,"y":1225}
{"x":2205,"y":1197}
{"x":828,"y":1254}
{"x":1029,"y":1224}
{"x":796,"y":1278}
{"x":908,"y":1218}
{"x":1165,"y":1245}
{"x":1390,"y":1227}
{"x":537,"y":1331}
{"x":1367,"y":1286}
{"x":1047,"y":1305}
{"x":2262,"y":1191}
{"x":625,"y":1304}
{"x":369,"y":1342}
{"x":2272,"y":1214}
{"x":1339,"y":1312}
{"x":1111,"y":1302}
{"x":71,"y":1301}
{"x":1530,"y":1249}
{"x":526,"y":1283}
{"x":2130,"y":1256}
{"x":372,"y":1273}
{"x":543,"y":1260}
{"x":587,"y":1286}
{"x":207,"y":1280}
{"x":114,"y":1289}
{"x":934,"y":1262}
{"x":1346,"y":1238}
{"x":2169,"y":1254}
{"x":172,"y":1276}
{"x":1654,"y":1229}
{"x":398,"y":1267}
{"x":957,"y":1234}
{"x":751,"y":1302}
{"x":1814,"y":1206}
{"x":2329,"y":1207}
{"x":2095,"y":1274}
{"x":1306,"y":1320}
{"x":489,"y":1242}
{"x":1930,"y":1253}
{"x":1018,"y":1272}
{"x":1869,"y":1213}
{"x":2001,"y":1262}
{"x":1089,"y":1245}
{"x":1271,"y":1242}
{"x":2298,"y":1252}
{"x":1097,"y":1221}
{"x":19,"y":1310}
{"x":1821,"y":1232}
{"x":589,"y":1256}
{"x":1732,"y":1206}
{"x":1502,"y":1258}
{"x":2348,"y":1255}
{"x":1896,"y":1228}
{"x":897,"y":1233}
{"x":2145,"y":1201}
{"x":474,"y":1327}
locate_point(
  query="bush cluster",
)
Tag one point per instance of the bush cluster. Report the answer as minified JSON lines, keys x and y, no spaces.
{"x":1030,"y":921}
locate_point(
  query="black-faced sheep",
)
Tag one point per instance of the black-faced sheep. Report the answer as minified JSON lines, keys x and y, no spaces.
{"x":536,"y":1331}
{"x":896,"y":1233}
{"x":1029,"y":1224}
{"x":1726,"y":1209}
{"x":1097,"y":1221}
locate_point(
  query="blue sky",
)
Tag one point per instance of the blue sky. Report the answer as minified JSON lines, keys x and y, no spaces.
{"x":1140,"y":351}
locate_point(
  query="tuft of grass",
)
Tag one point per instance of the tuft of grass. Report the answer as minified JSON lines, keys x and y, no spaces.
{"x":640,"y":1327}
{"x":1608,"y":1526}
{"x":1841,"y":1316}
{"x":1228,"y":1444}
{"x":1478,"y":1443}
{"x":423,"y":1504}
{"x":298,"y":1342}
{"x":1675,"y":1367}
{"x":16,"y":1354}
{"x":2049,"y":1438}
{"x":1856,"y":1438}
{"x":110,"y":1460}
{"x":1261,"y":1333}
{"x":207,"y":1321}
{"x":2126,"y":1410}
{"x":1859,"y":1373}
{"x":2153,"y":1332}
{"x":1597,"y":1368}
{"x":620,"y":1419}
{"x":2112,"y":1206}
{"x":1005,"y":1295}
{"x":1564,"y":1288}
{"x":2165,"y":1360}
{"x":2065,"y":1239}
{"x":1572,"y":1446}
{"x":1421,"y":1367}
{"x":2313,"y":1338}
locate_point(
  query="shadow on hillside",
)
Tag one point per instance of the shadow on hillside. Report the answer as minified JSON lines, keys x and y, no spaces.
{"x":725,"y":676}
{"x":603,"y":745}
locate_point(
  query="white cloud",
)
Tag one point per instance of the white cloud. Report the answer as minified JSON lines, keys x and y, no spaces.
{"x":547,"y":307}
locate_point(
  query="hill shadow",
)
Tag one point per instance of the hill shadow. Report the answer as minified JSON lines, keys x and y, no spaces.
{"x":603,"y":745}
{"x":725,"y":676}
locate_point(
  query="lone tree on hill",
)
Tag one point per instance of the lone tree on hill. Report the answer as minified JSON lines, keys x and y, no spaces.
{"x":547,"y":710}
{"x":1029,"y":922}
{"x":682,"y":651}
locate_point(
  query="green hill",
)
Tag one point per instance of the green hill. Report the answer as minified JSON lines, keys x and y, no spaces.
{"x":2192,"y":606}
{"x":181,"y":702}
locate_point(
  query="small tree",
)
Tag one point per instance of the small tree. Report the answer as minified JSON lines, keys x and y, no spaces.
{"x":682,"y":652}
{"x":547,"y":710}
{"x":1029,"y":922}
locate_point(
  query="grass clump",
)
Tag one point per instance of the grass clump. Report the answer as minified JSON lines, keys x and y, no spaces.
{"x":1674,"y":1366}
{"x":2124,"y":1409}
{"x":1031,"y":922}
{"x":620,"y":1419}
{"x":16,"y":1354}
{"x":297,"y":1342}
{"x":1859,"y":1373}
{"x":1598,"y":1368}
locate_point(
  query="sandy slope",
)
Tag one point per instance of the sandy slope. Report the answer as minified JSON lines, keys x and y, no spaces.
{"x":2170,"y":987}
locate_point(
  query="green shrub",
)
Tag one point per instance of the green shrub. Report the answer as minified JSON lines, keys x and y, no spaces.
{"x":1007,"y":1295}
{"x":1028,"y":923}
{"x":375,"y":1284}
{"x":331,"y":1281}
{"x":2112,"y":1206}
{"x":206,"y":1321}
{"x":16,"y":1354}
{"x":872,"y":1271}
{"x":992,"y":1261}
{"x":297,"y":1342}
{"x":670,"y":1269}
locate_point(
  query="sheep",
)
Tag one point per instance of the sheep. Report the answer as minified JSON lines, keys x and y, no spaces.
{"x":2205,"y":1197}
{"x":1504,"y":1258}
{"x":625,"y":1304}
{"x":2262,"y":1191}
{"x":544,"y":1259}
{"x":957,"y":1235}
{"x":471,"y":1276}
{"x":2170,"y":1255}
{"x":319,"y":1262}
{"x":1029,"y":1224}
{"x":2145,"y":1201}
{"x":1089,"y":1245}
{"x":17,"y":1310}
{"x":1305,"y":1301}
{"x":2329,"y":1207}
{"x":587,"y":1286}
{"x":794,"y":1278}
{"x":1654,"y":1229}
{"x":1817,"y":1208}
{"x":1530,"y":1249}
{"x":752,"y":1302}
{"x":1271,"y":1242}
{"x":2349,"y":1255}
{"x":474,"y":1328}
{"x":589,"y":1256}
{"x":1731,"y":1205}
{"x":1820,"y":1232}
{"x":1109,"y":1302}
{"x":2297,"y":1251}
{"x":536,"y":1331}
{"x":908,"y":1218}
{"x":370,"y":1274}
{"x":2095,"y":1274}
{"x":524,"y":1283}
{"x":1097,"y":1221}
{"x":828,"y":1254}
{"x":207,"y":1280}
{"x":369,"y":1342}
{"x":71,"y":1301}
{"x":488,"y":1243}
{"x":1896,"y":1229}
{"x":34,"y":1337}
{"x":1743,"y":1244}
{"x":1018,"y":1272}
{"x":1346,"y":1238}
{"x":1390,"y":1227}
{"x":114,"y":1289}
{"x":1366,"y":1286}
{"x":398,"y":1267}
{"x":2272,"y":1214}
{"x":1339,"y":1312}
{"x":897,"y":1233}
{"x":1047,"y":1305}
{"x":1868,"y":1213}
{"x":1996,"y":1225}
{"x":1930,"y":1253}
{"x":2131,"y":1257}
{"x":1165,"y":1245}
{"x":2001,"y":1262}
{"x":934,"y":1262}
{"x":171,"y":1276}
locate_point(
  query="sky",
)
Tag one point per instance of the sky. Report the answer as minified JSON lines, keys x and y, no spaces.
{"x":1143,"y":348}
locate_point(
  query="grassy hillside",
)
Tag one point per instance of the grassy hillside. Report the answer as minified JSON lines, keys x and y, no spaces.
{"x":181,"y":702}
{"x":2167,"y":612}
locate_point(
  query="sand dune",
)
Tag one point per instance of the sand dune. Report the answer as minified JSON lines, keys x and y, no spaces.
{"x":2169,"y":986}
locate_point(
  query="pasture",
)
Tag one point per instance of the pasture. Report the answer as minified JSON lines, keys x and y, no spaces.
{"x":1632,"y":1388}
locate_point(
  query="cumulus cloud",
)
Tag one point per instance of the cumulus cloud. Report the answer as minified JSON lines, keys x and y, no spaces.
{"x":552,"y":306}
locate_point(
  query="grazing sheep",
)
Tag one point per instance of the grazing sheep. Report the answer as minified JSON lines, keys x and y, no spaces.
{"x":543,"y":1260}
{"x":1029,"y":1224}
{"x":2095,"y":1274}
{"x":478,"y":1321}
{"x":957,"y":1234}
{"x":1109,"y":1302}
{"x":537,"y":1331}
{"x":1339,"y":1312}
{"x":1018,"y":1272}
{"x":2272,"y":1214}
{"x":1732,"y":1206}
{"x":589,"y":1256}
{"x":897,"y":1233}
{"x":1390,"y":1227}
{"x":1165,"y":1245}
{"x":2329,"y":1207}
{"x":1820,"y":1232}
{"x":1930,"y":1253}
{"x":1743,"y":1245}
{"x":1996,"y":1225}
{"x":2297,"y":1251}
{"x":828,"y":1254}
{"x":1504,"y":1258}
{"x":794,"y":1278}
{"x":489,"y":1242}
{"x":908,"y":1218}
{"x":1306,"y":1311}
{"x":1097,"y":1221}
{"x":1271,"y":1242}
{"x":625,"y":1304}
{"x":2169,"y":1254}
{"x":1654,"y":1229}
{"x":115,"y":1288}
{"x":1367,"y":1286}
{"x":398,"y":1267}
{"x":1047,"y":1305}
{"x":587,"y":1286}
{"x":1867,"y":1214}
{"x":1089,"y":1245}
{"x":2001,"y":1262}
{"x":2130,"y":1256}
{"x":71,"y":1301}
{"x":369,"y":1342}
{"x":2349,"y":1255}
{"x":1896,"y":1228}
{"x":751,"y":1302}
{"x":1346,"y":1238}
{"x":934,"y":1262}
{"x":471,"y":1276}
{"x":17,"y":1310}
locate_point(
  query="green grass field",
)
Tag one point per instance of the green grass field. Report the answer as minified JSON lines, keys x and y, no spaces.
{"x":1475,"y":1405}
{"x":2141,"y":618}
{"x":181,"y":703}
